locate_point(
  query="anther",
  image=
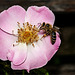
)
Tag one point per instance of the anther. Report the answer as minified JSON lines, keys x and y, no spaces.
{"x":36,"y":40}
{"x":24,"y":25}
{"x":33,"y":45}
{"x":27,"y":23}
{"x":26,"y":43}
{"x":18,"y":24}
{"x":12,"y":31}
{"x":43,"y":36}
{"x":15,"y":44}
{"x":14,"y":34}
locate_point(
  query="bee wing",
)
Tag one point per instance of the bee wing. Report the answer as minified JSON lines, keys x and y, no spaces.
{"x":56,"y":27}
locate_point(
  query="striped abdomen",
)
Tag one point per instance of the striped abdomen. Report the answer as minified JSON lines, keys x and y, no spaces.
{"x":53,"y":37}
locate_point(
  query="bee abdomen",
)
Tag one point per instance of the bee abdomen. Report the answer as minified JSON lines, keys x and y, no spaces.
{"x":53,"y":37}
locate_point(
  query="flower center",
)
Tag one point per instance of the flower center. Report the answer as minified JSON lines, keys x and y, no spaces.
{"x":27,"y":34}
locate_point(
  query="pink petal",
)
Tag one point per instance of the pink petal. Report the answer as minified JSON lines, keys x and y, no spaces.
{"x":40,"y":55}
{"x":51,"y":49}
{"x":18,"y":67}
{"x":18,"y":54}
{"x":6,"y":41}
{"x":10,"y":17}
{"x":36,"y":57}
{"x":41,"y":14}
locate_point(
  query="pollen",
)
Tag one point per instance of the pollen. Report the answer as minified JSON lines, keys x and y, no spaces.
{"x":27,"y":34}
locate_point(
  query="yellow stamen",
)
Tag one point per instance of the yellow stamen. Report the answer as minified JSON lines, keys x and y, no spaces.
{"x":27,"y":34}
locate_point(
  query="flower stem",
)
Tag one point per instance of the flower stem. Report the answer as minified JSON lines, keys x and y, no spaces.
{"x":23,"y":72}
{"x":6,"y":73}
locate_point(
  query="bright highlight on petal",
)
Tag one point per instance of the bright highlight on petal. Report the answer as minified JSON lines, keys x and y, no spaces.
{"x":20,"y":37}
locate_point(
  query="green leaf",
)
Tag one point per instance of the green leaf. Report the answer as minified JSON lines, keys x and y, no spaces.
{"x":40,"y":71}
{"x":47,"y":73}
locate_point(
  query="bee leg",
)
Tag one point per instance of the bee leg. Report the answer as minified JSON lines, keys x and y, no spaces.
{"x":43,"y":36}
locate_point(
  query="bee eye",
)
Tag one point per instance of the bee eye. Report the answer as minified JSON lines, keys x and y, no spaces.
{"x":43,"y":24}
{"x":47,"y":25}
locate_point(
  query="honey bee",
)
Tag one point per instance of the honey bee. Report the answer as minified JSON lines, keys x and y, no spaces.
{"x":49,"y":30}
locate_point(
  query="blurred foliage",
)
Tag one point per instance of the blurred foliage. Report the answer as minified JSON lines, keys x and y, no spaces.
{"x":5,"y":69}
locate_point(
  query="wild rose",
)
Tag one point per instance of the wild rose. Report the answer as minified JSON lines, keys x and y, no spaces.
{"x":20,"y":43}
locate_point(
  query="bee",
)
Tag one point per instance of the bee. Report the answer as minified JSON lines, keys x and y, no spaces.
{"x":49,"y":30}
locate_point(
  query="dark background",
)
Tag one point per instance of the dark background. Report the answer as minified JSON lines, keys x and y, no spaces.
{"x":63,"y":62}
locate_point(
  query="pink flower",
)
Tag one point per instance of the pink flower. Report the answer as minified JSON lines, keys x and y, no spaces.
{"x":26,"y":54}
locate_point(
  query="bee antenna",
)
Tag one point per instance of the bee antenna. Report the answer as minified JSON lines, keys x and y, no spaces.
{"x":39,"y":25}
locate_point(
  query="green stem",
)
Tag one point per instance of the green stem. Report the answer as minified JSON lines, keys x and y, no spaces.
{"x":6,"y":73}
{"x":23,"y":72}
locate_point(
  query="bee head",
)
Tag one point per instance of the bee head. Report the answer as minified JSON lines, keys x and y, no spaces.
{"x":42,"y":26}
{"x":47,"y":25}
